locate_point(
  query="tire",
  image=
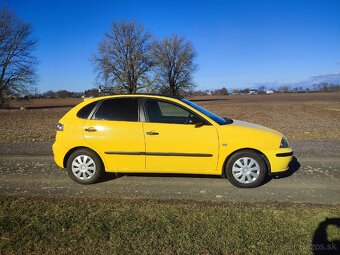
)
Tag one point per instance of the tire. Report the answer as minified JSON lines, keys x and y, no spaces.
{"x":84,"y":166}
{"x":246,"y":169}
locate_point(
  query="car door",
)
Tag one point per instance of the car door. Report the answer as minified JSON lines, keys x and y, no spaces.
{"x":116,"y":133}
{"x":178,"y":140}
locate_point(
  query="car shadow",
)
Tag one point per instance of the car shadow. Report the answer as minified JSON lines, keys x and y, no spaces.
{"x":112,"y":176}
{"x":320,"y":242}
{"x":294,"y":166}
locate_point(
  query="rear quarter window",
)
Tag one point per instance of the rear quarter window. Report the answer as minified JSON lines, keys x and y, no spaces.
{"x":84,"y":112}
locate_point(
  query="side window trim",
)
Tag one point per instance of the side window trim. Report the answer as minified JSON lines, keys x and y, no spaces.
{"x":141,"y":110}
{"x":94,"y":110}
{"x":146,"y":117}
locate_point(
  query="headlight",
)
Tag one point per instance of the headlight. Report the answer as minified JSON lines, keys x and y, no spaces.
{"x":284,"y":143}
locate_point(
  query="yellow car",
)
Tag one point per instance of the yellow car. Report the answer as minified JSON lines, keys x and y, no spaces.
{"x":158,"y":134}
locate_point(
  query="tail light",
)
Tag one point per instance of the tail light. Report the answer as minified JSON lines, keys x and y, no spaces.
{"x":60,"y":127}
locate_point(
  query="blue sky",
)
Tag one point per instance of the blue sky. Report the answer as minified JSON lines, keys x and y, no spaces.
{"x":239,"y":43}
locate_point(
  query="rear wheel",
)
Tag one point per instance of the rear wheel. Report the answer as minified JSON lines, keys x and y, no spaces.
{"x":246,"y":169}
{"x":84,"y":166}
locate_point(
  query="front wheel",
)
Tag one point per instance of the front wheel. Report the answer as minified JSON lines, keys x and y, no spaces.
{"x":246,"y":169}
{"x":84,"y":166}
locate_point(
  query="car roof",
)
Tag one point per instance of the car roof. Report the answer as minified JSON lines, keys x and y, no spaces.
{"x":134,"y":95}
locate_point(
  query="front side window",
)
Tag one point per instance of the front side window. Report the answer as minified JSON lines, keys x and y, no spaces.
{"x":213,"y":116}
{"x":118,"y":109}
{"x":165,"y":112}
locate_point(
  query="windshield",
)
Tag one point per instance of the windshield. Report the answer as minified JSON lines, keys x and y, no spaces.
{"x":213,"y":116}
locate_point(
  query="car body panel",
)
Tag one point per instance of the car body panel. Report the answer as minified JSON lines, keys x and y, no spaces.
{"x":179,"y":148}
{"x":243,"y":135}
{"x":121,"y":144}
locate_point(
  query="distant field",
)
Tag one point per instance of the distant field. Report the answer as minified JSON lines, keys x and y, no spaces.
{"x":299,"y":116}
{"x":230,"y":99}
{"x":45,"y":102}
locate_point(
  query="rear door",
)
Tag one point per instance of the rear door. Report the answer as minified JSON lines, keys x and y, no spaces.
{"x":174,"y":141}
{"x":116,"y":133}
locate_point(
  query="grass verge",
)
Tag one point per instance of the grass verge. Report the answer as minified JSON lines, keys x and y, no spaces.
{"x":75,"y":226}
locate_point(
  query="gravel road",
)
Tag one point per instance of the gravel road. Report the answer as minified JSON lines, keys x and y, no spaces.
{"x":317,"y":180}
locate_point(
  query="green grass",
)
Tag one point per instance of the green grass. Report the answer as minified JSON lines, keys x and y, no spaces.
{"x":76,"y":226}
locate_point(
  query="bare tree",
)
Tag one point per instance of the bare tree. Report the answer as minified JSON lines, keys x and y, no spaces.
{"x":17,"y":64}
{"x":262,"y":88}
{"x":283,"y":89}
{"x":221,"y":92}
{"x":122,"y":60}
{"x":173,"y":60}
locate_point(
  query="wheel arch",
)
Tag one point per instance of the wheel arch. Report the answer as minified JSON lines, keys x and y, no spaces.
{"x":247,"y":149}
{"x":67,"y":155}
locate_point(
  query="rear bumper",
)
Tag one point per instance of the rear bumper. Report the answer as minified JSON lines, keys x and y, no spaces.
{"x":58,"y":154}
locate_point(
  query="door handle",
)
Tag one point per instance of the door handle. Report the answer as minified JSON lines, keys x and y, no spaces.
{"x":152,"y":133}
{"x":90,"y":129}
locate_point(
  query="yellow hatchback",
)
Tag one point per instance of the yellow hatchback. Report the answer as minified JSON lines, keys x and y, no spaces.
{"x":158,"y":134}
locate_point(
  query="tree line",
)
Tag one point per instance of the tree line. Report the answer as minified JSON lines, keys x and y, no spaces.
{"x":95,"y":92}
{"x":317,"y":87}
{"x":128,"y":59}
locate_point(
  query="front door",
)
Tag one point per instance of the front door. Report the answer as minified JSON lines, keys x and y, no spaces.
{"x":177,"y":140}
{"x":115,"y":132}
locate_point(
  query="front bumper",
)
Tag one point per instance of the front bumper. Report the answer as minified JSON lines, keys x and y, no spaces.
{"x":285,"y":154}
{"x":280,"y":159}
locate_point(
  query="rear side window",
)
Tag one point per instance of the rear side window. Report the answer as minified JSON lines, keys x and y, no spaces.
{"x":118,"y":109}
{"x":84,"y":112}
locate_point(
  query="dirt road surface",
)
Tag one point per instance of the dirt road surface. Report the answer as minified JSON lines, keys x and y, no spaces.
{"x":316,"y":180}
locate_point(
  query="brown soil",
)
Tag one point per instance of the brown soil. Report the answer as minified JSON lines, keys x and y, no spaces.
{"x":314,"y":116}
